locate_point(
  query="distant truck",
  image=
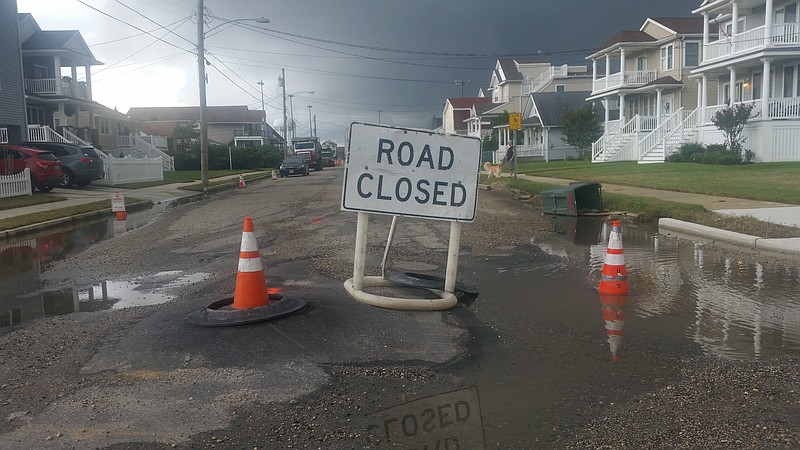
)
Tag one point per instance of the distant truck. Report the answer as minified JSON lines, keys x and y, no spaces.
{"x":310,"y":148}
{"x":328,"y":154}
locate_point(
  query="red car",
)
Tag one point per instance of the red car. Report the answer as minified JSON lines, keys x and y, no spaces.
{"x":45,"y":168}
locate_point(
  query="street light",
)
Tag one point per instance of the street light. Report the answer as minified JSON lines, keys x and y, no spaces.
{"x":201,"y":79}
{"x":291,"y":106}
{"x":310,"y":124}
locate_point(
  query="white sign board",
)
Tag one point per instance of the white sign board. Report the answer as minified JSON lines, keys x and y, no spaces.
{"x":413,"y":173}
{"x":117,"y":202}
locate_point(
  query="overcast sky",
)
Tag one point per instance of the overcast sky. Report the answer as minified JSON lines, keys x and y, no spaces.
{"x":366,"y":60}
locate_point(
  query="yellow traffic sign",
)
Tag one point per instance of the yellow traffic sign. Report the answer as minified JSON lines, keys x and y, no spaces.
{"x":514,"y":121}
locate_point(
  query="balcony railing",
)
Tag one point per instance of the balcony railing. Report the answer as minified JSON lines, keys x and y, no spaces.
{"x":57,"y":86}
{"x":786,"y":34}
{"x":625,"y":79}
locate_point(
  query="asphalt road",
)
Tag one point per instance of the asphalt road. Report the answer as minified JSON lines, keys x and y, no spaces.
{"x":341,"y":374}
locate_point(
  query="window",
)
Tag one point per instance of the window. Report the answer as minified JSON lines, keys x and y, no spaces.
{"x":739,"y":27}
{"x":788,"y":81}
{"x":641,"y":63}
{"x":666,"y":57}
{"x":35,"y":115}
{"x":757,"y":83}
{"x":691,"y":54}
{"x":104,"y":127}
{"x":40,"y":72}
{"x":561,"y":88}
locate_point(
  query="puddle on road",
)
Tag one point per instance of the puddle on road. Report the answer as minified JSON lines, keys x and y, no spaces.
{"x":23,"y":300}
{"x":734,"y":304}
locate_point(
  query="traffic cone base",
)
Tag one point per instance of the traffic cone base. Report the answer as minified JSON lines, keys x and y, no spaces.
{"x":251,"y":300}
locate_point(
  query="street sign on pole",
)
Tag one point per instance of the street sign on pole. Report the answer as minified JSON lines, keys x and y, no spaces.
{"x":514,"y":121}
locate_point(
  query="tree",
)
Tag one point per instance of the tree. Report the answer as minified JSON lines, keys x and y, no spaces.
{"x":187,"y":133}
{"x":731,"y":121}
{"x":581,"y":128}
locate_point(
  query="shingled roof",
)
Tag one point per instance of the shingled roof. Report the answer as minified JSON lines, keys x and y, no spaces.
{"x":681,"y":25}
{"x":69,"y":41}
{"x":628,"y":36}
{"x":552,"y":105}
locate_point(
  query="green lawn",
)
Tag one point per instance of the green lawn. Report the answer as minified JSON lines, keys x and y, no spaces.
{"x":764,"y":181}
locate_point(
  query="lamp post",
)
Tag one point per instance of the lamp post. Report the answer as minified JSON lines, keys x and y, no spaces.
{"x":201,"y":75}
{"x":291,"y":106}
{"x":310,"y":123}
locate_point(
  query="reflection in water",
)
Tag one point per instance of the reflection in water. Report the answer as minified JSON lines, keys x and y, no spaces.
{"x":21,"y":295}
{"x":613,"y":307}
{"x":736,"y":306}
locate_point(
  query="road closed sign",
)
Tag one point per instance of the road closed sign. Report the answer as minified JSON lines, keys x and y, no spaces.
{"x":413,"y":173}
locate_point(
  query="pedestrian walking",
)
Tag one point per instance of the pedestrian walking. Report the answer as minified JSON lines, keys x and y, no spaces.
{"x":511,"y":159}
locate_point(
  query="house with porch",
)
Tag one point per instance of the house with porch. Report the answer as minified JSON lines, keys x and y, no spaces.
{"x":57,"y":73}
{"x":512,"y":83}
{"x":543,"y":122}
{"x":457,"y":111}
{"x":238,"y":126}
{"x":642,"y":79}
{"x":751,"y":53}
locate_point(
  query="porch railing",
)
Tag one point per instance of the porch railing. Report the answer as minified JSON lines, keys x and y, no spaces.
{"x":145,"y":148}
{"x":624,"y":79}
{"x":780,"y":35}
{"x":57,"y":86}
{"x":43,"y":133}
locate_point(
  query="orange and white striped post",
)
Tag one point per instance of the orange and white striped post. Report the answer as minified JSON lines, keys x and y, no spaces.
{"x":613,"y":307}
{"x":614,"y":279}
{"x":242,"y":184}
{"x":251,"y":286}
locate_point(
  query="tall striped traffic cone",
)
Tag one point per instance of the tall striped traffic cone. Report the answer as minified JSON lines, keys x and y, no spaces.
{"x":241,"y":182}
{"x":251,"y":286}
{"x":614,"y":279}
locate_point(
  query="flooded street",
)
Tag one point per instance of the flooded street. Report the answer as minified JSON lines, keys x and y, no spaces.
{"x":538,"y":360}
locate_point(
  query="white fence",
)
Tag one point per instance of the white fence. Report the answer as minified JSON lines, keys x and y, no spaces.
{"x":16,"y":184}
{"x":131,"y":170}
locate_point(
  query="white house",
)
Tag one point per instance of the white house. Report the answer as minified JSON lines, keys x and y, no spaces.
{"x":756,"y":60}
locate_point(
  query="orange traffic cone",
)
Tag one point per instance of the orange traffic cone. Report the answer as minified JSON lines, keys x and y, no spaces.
{"x":241,"y":182}
{"x":274,"y":175}
{"x":613,"y":307}
{"x":614,"y":279}
{"x":251,"y":286}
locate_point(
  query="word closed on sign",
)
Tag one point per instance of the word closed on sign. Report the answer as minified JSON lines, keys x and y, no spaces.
{"x":414,"y":173}
{"x":448,"y":421}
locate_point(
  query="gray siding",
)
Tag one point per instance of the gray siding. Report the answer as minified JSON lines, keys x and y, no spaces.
{"x":12,"y":92}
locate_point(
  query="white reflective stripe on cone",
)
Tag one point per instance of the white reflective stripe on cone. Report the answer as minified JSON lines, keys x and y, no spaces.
{"x":615,"y":260}
{"x":250,"y":265}
{"x":249,"y":242}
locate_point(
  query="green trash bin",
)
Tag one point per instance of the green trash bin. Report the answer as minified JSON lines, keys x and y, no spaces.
{"x":579,"y":197}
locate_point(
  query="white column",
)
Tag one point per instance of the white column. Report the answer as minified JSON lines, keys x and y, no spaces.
{"x":594,"y":74}
{"x":88,"y":70}
{"x":766,"y":88}
{"x":607,"y":106}
{"x":732,"y":87}
{"x":735,"y":19}
{"x":658,"y":106}
{"x":706,"y":31}
{"x":608,"y":68}
{"x":770,"y":13}
{"x":621,"y":110}
{"x":699,"y":92}
{"x":704,"y":100}
{"x":622,"y":67}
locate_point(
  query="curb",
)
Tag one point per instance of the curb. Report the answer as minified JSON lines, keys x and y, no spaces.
{"x":680,"y":228}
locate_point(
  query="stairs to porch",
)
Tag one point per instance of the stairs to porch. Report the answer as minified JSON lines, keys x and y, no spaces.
{"x":653,"y":145}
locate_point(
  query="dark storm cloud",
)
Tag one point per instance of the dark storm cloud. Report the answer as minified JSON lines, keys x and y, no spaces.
{"x":340,"y":49}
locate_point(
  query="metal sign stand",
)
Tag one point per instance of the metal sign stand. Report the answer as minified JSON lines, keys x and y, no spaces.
{"x":355,"y":286}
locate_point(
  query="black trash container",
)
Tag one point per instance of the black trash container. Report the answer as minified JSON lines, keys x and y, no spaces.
{"x":579,"y":197}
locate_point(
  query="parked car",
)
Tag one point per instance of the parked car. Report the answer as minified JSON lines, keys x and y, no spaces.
{"x":45,"y":168}
{"x":81,"y":165}
{"x":294,"y":165}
